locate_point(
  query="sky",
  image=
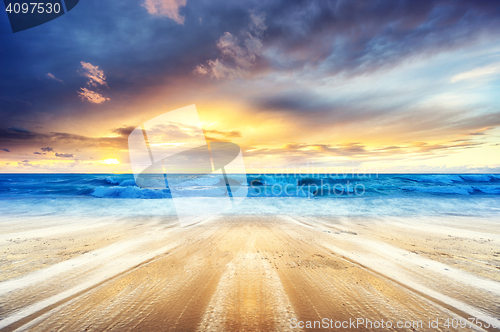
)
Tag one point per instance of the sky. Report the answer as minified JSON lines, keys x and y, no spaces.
{"x":300,"y":86}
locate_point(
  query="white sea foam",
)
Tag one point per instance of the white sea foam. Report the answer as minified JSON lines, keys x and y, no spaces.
{"x":194,"y":181}
{"x":110,"y":180}
{"x":198,"y":191}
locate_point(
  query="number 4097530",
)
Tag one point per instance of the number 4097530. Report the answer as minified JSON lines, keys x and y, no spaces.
{"x":33,"y":8}
{"x":462,"y":322}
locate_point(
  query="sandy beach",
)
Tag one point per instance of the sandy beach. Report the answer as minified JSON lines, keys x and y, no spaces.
{"x":249,"y":273}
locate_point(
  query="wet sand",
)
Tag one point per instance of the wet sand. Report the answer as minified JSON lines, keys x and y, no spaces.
{"x":248,"y":273}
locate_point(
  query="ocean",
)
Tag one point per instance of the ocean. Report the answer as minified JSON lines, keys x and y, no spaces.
{"x":300,"y":194}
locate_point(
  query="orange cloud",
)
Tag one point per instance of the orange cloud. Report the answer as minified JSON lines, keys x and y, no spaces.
{"x":168,"y":8}
{"x":91,"y":96}
{"x":94,"y":74}
{"x":96,"y":78}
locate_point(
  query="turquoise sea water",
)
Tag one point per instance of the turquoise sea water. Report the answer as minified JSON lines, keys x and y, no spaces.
{"x":302,"y":185}
{"x":399,"y":195}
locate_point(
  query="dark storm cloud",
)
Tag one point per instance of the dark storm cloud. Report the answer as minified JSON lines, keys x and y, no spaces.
{"x":124,"y":131}
{"x":137,"y":51}
{"x":359,"y":36}
{"x":6,"y":150}
{"x":296,"y":102}
{"x":65,"y":155}
{"x":34,"y":138}
{"x":25,"y":163}
{"x":310,"y":109}
{"x":19,"y":130}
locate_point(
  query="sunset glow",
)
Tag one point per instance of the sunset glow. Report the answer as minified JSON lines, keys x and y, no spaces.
{"x":110,"y":161}
{"x":289,"y":92}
